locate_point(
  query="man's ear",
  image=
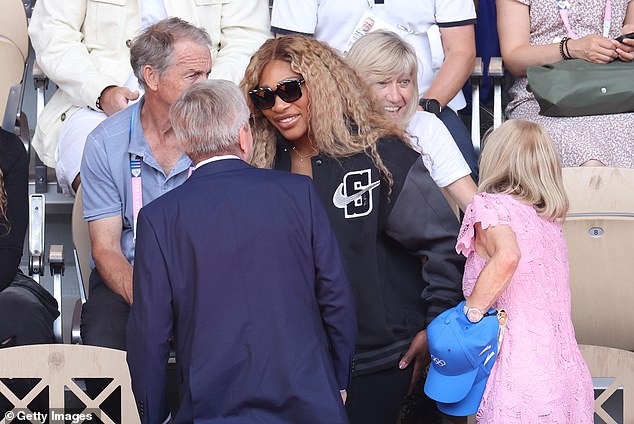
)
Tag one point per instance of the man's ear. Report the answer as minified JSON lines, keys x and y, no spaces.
{"x":246,"y":143}
{"x":151,"y":77}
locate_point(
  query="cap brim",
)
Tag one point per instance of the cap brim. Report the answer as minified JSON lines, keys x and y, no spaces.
{"x":469,"y":404}
{"x":449,"y":388}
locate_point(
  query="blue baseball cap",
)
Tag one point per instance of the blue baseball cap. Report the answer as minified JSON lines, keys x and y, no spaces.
{"x":462,"y":355}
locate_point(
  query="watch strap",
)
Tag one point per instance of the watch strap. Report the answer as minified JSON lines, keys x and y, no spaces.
{"x":430,"y":105}
{"x":98,"y":101}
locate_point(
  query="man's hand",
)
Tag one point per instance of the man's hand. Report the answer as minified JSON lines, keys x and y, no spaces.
{"x":113,"y":267}
{"x":114,"y":98}
{"x":127,"y":293}
{"x":418,"y":352}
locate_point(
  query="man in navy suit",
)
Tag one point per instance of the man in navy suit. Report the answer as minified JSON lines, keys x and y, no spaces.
{"x":241,"y":266}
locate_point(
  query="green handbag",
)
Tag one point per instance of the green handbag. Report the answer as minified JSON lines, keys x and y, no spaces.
{"x":580,"y":88}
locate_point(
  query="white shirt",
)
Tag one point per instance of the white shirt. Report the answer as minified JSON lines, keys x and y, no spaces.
{"x":152,"y":11}
{"x":214,"y":159}
{"x":441,"y":155}
{"x":333,"y":21}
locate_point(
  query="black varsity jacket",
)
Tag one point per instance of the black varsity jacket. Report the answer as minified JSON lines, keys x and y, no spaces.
{"x":398,"y":247}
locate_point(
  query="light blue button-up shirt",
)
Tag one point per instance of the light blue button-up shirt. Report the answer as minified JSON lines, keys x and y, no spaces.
{"x":105,"y":172}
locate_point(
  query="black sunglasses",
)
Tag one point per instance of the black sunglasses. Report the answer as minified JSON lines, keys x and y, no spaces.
{"x":288,"y":90}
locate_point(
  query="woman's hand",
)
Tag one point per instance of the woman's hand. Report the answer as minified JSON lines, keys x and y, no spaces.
{"x":344,"y":396}
{"x":626,"y":48}
{"x":418,"y":353}
{"x":593,"y":48}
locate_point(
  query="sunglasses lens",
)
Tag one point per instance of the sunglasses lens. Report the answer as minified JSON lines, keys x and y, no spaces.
{"x":290,"y":91}
{"x":262,"y":98}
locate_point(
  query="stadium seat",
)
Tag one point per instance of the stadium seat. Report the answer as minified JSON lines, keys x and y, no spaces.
{"x":81,"y":242}
{"x":59,"y":368}
{"x":495,"y":71}
{"x":36,"y":252}
{"x":599,"y":230}
{"x":14,"y":50}
{"x":616,"y":368}
{"x":484,"y":88}
{"x":81,"y":251}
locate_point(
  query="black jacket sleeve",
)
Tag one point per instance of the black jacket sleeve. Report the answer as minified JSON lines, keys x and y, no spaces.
{"x":14,"y":165}
{"x":421,"y":220}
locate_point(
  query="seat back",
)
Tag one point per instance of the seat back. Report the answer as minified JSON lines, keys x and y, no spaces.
{"x":58,"y":366}
{"x":11,"y":74}
{"x":13,"y":25}
{"x":14,"y":51}
{"x":611,"y":370}
{"x":599,"y":230}
{"x":81,"y":241}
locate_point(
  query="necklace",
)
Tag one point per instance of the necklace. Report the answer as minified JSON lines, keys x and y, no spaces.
{"x":302,"y":157}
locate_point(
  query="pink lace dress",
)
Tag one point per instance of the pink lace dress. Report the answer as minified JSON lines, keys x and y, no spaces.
{"x":540,"y":375}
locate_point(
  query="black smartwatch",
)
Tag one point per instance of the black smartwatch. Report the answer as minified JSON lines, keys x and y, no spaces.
{"x":430,"y":105}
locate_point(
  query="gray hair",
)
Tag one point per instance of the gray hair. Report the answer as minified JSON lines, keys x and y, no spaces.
{"x":207,"y":118}
{"x":154,"y":46}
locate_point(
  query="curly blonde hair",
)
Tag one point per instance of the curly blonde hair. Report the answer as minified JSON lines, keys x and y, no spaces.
{"x":343,"y":119}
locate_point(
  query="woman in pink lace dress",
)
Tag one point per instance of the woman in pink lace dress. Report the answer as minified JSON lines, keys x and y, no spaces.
{"x":517,"y":260}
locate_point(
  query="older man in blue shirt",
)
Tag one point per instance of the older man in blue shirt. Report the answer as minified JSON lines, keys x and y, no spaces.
{"x":129,"y":160}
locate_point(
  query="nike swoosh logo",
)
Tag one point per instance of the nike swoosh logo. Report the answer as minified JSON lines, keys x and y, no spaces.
{"x":341,"y":201}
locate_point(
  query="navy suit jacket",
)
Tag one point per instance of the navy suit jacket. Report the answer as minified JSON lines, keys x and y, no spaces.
{"x":241,"y":265}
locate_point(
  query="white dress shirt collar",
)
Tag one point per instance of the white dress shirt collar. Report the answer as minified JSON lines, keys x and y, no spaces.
{"x":213,"y":159}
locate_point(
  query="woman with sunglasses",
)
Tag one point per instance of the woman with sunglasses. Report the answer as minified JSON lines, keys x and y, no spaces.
{"x":313,"y":115}
{"x":389,"y":66}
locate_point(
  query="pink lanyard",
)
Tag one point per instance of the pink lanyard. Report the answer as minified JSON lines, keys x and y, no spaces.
{"x":564,"y":8}
{"x":137,"y":190}
{"x":137,"y":182}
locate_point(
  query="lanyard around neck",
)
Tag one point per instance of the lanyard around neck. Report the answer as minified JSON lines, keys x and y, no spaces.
{"x":135,"y":174}
{"x":564,"y":9}
{"x":135,"y":177}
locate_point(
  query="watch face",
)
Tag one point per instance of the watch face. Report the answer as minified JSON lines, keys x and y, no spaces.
{"x":433,"y":106}
{"x":474,"y":315}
